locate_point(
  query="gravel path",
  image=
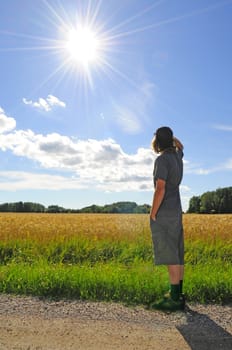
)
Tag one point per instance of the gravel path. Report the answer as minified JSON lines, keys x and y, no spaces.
{"x":28,"y":323}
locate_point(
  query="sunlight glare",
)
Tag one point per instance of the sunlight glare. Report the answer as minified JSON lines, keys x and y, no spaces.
{"x":82,"y":45}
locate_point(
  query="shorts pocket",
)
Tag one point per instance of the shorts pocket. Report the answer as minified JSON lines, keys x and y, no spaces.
{"x":152,"y":222}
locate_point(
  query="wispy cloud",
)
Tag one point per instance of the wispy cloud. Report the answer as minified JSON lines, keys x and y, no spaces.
{"x":131,"y":111}
{"x":21,"y":180}
{"x":228,"y":164}
{"x":197,"y":169}
{"x":223,"y":127}
{"x":45,"y":104}
{"x":128,"y":120}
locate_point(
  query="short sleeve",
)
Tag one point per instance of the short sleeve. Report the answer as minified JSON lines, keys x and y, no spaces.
{"x":160,"y":169}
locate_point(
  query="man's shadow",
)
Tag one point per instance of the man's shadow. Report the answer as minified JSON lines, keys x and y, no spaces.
{"x":201,"y":333}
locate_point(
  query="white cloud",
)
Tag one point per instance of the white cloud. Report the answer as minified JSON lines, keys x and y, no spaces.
{"x":223,"y":127}
{"x":54,"y":101}
{"x":45,"y":104}
{"x":6,"y":123}
{"x":228,"y":164}
{"x":99,"y":164}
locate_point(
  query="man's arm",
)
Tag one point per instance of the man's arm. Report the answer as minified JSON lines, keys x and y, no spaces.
{"x":178,"y":144}
{"x":157,"y":198}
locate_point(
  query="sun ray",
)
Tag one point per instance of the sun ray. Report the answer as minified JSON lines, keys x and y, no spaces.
{"x":29,"y":48}
{"x":93,"y":18}
{"x":32,"y":37}
{"x":56,"y":14}
{"x":60,"y":71}
{"x":136,"y":16}
{"x":170,"y":20}
{"x":94,"y":42}
{"x":106,"y":64}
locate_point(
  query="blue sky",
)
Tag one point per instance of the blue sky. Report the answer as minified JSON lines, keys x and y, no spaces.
{"x":84,"y":85}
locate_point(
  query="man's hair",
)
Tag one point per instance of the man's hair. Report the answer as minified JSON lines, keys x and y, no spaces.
{"x":163,"y":139}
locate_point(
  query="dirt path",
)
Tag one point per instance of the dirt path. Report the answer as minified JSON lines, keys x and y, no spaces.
{"x":28,"y":323}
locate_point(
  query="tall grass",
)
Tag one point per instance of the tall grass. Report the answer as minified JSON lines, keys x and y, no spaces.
{"x":110,"y":257}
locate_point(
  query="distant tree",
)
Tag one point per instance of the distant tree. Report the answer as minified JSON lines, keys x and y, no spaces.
{"x":194,"y":205}
{"x":39,"y":208}
{"x":224,"y":200}
{"x":55,"y":209}
{"x":118,"y":207}
{"x":207,"y":205}
{"x":27,"y":207}
{"x":91,"y":209}
{"x":12,"y":207}
{"x":219,"y":202}
{"x":4,"y":207}
{"x":19,"y":207}
{"x":34,"y":207}
{"x":142,"y":209}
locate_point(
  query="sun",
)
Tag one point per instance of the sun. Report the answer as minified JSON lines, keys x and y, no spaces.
{"x":83,"y":46}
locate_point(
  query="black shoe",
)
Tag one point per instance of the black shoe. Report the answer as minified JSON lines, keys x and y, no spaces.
{"x":182,"y":298}
{"x":168,"y":304}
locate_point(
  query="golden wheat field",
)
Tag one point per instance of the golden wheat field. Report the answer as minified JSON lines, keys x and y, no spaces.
{"x":46,"y":227}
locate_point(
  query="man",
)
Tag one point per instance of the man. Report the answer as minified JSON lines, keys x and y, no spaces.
{"x":166,"y":215}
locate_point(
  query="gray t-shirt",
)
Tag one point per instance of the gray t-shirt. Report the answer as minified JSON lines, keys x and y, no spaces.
{"x":169,"y":167}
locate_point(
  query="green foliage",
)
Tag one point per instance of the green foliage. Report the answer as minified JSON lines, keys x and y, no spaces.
{"x":194,"y":205}
{"x":216,"y":202}
{"x":118,"y":208}
{"x":22,"y":207}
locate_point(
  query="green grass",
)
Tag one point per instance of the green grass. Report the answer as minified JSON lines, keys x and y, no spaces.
{"x":112,"y":282}
{"x":135,"y":284}
{"x":111,"y":269}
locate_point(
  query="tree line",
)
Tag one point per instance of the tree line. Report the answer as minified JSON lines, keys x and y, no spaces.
{"x":212,"y":202}
{"x":119,"y":207}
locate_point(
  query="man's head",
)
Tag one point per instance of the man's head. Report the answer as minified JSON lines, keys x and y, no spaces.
{"x":163,"y":139}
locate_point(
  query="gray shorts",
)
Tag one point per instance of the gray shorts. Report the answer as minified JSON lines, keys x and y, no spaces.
{"x":168,"y":240}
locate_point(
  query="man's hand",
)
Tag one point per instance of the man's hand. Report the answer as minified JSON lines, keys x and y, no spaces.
{"x":153,"y":218}
{"x":157,"y":198}
{"x":177,"y":143}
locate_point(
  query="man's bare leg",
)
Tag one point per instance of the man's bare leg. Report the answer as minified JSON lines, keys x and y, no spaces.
{"x":175,"y":273}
